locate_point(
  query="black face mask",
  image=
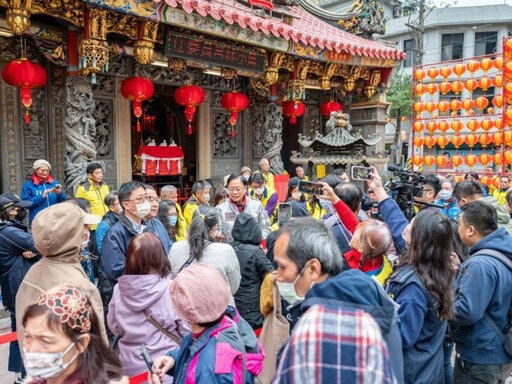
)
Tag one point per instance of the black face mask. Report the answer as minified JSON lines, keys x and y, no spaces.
{"x":21,"y":215}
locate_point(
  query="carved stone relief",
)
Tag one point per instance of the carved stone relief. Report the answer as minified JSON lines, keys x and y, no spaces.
{"x":168,"y":76}
{"x":103,"y":140}
{"x":224,"y":146}
{"x":257,"y":122}
{"x":35,"y":137}
{"x":273,"y":136}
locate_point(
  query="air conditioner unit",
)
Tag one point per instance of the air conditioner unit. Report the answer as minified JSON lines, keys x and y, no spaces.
{"x":397,"y":12}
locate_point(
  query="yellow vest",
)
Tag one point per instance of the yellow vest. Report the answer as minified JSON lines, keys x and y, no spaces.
{"x":182,"y":225}
{"x":318,"y":212}
{"x":383,"y":272}
{"x":94,"y":195}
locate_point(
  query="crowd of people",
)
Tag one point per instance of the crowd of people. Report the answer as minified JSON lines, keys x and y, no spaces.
{"x":111,"y":284}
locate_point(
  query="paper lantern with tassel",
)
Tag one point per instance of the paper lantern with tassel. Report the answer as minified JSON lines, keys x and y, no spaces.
{"x":497,"y":101}
{"x":432,"y":72}
{"x":457,"y":125}
{"x":189,"y":96}
{"x":459,"y":69}
{"x":443,"y":106}
{"x":486,"y":64}
{"x":498,"y":123}
{"x":498,"y":63}
{"x":445,"y":87}
{"x":498,"y":158}
{"x":430,"y":141}
{"x":443,"y":141}
{"x":431,"y":126}
{"x":507,"y":70}
{"x":429,"y":160}
{"x":481,"y":102}
{"x":507,"y":156}
{"x":418,"y":141}
{"x":441,"y":160}
{"x":445,"y":71}
{"x":507,"y":137}
{"x":419,"y":107}
{"x":455,"y":105}
{"x":137,"y":89}
{"x":470,"y":160}
{"x":508,"y":116}
{"x":487,"y":124}
{"x":471,"y":85}
{"x":484,"y":139}
{"x":418,"y":126}
{"x":457,"y":86}
{"x":456,"y":160}
{"x":468,"y":104}
{"x":471,"y":140}
{"x":473,"y":125}
{"x":419,"y":75}
{"x":498,"y":81}
{"x":443,"y":126}
{"x":473,"y":66}
{"x":332,"y":106}
{"x":293,"y":109}
{"x":497,"y":138}
{"x":432,"y":88}
{"x":420,"y":89}
{"x":484,"y":83}
{"x":417,"y":160}
{"x":457,"y":140}
{"x":431,"y":106}
{"x":234,"y":102}
{"x":485,"y":158}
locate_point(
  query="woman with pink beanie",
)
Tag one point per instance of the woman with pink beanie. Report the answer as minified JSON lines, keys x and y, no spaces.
{"x":222,"y":348}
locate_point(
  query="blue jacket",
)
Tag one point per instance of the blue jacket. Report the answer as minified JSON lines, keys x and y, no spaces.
{"x":216,"y":355}
{"x":355,"y":289}
{"x":483,"y":285}
{"x":114,"y":248}
{"x":13,"y":266}
{"x":108,"y":220}
{"x":451,"y":209}
{"x":396,"y":221}
{"x":421,"y":328}
{"x":34,"y":193}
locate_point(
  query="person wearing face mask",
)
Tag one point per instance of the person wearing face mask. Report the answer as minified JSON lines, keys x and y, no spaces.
{"x":200,"y":195}
{"x":246,"y":173}
{"x":168,"y":216}
{"x":94,"y":190}
{"x":108,"y":220}
{"x":170,"y":192}
{"x":63,"y":343}
{"x":293,"y":191}
{"x":266,"y":195}
{"x":447,"y":200}
{"x":58,"y":234}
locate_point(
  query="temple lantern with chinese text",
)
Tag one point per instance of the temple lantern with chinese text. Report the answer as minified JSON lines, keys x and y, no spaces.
{"x":234,"y":102}
{"x":293,"y":109}
{"x":498,"y":63}
{"x":486,"y":64}
{"x":456,"y":160}
{"x":457,"y":86}
{"x":137,"y":89}
{"x":443,"y":106}
{"x":457,"y":125}
{"x":485,"y":139}
{"x":455,"y":105}
{"x":471,"y":85}
{"x":459,"y":69}
{"x":420,"y":89}
{"x":429,"y":160}
{"x":445,"y":87}
{"x":457,"y":140}
{"x":189,"y":96}
{"x":418,"y":141}
{"x":471,"y":140}
{"x":430,"y":106}
{"x":445,"y":71}
{"x":432,"y":88}
{"x":443,"y":126}
{"x":473,"y":66}
{"x":441,"y":160}
{"x":484,"y":83}
{"x":498,"y":81}
{"x":473,"y":125}
{"x":431,"y":126}
{"x":497,"y":138}
{"x":417,"y":160}
{"x":430,"y":141}
{"x":419,"y":75}
{"x":418,"y":126}
{"x":470,"y":159}
{"x":468,"y":104}
{"x":498,"y":158}
{"x":443,"y":141}
{"x":497,"y":101}
{"x":484,"y":158}
{"x":487,"y":124}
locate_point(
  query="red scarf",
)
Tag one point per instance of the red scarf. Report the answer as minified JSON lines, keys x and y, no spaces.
{"x":37,"y":180}
{"x":240,"y":206}
{"x":354,"y":261}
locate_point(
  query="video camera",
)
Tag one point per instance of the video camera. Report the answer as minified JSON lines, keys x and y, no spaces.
{"x":405,"y":186}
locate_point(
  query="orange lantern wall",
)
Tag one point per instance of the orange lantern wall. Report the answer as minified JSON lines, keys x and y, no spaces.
{"x":457,"y":86}
{"x":470,"y":160}
{"x":445,"y":71}
{"x":441,"y":160}
{"x":473,"y":125}
{"x":419,"y":74}
{"x":418,"y":126}
{"x":485,"y":139}
{"x":457,"y":140}
{"x":443,"y":141}
{"x":459,"y":69}
{"x":432,"y":88}
{"x":471,"y":140}
{"x":431,"y":126}
{"x":484,"y":83}
{"x":486,"y":64}
{"x":418,"y":141}
{"x":457,"y":125}
{"x":481,"y":102}
{"x":456,"y":160}
{"x":417,"y":160}
{"x":485,"y":158}
{"x":445,"y":87}
{"x":468,"y":104}
{"x":443,"y":126}
{"x":473,"y":66}
{"x":498,"y":158}
{"x":471,"y":85}
{"x":430,"y":141}
{"x":420,"y":89}
{"x":430,"y":160}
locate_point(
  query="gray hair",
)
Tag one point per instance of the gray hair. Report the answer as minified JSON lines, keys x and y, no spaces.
{"x":262,"y":159}
{"x":167,"y":189}
{"x":110,"y":198}
{"x":311,"y":239}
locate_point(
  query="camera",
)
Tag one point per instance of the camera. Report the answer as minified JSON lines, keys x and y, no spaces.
{"x":405,"y":185}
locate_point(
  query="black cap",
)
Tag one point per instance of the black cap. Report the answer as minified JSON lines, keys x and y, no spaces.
{"x":293,"y":182}
{"x":9,"y":199}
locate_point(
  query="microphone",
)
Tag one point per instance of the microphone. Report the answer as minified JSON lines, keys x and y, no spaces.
{"x":396,"y":168}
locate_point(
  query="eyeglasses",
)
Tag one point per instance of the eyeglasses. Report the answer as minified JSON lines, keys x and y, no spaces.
{"x":235,"y":189}
{"x":139,"y":199}
{"x":152,"y":199}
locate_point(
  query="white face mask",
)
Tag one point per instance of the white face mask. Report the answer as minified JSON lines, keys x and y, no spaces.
{"x":445,"y":194}
{"x":206,"y":198}
{"x":296,"y":195}
{"x":47,"y":365}
{"x":143,"y":209}
{"x":259,"y":191}
{"x":287,"y":290}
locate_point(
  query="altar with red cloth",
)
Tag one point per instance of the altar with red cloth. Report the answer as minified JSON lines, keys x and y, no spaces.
{"x":161,"y":160}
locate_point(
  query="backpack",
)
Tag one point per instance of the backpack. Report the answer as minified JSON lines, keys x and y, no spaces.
{"x":504,"y":336}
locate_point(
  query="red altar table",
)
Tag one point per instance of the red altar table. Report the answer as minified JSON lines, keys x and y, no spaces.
{"x":157,"y":160}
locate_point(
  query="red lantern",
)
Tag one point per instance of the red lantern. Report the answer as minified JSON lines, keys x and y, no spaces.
{"x":457,"y":140}
{"x":473,"y":125}
{"x":471,"y":85}
{"x":498,"y":63}
{"x":484,"y":139}
{"x":471,"y":140}
{"x":497,"y":101}
{"x":468,"y":104}
{"x":419,"y":74}
{"x":455,"y":105}
{"x":442,"y":141}
{"x":487,"y":124}
{"x":431,"y":126}
{"x":26,"y":75}
{"x":457,"y":125}
{"x":420,"y":89}
{"x":485,"y":159}
{"x":508,"y":156}
{"x":507,"y":71}
{"x":234,"y":102}
{"x":443,"y":106}
{"x":497,"y":138}
{"x":498,"y":81}
{"x":473,"y":66}
{"x":417,"y":160}
{"x":443,"y":126}
{"x":456,"y":160}
{"x":137,"y":89}
{"x":441,"y":160}
{"x":418,"y":126}
{"x":432,"y":88}
{"x":507,"y":137}
{"x":445,"y":87}
{"x":459,"y":69}
{"x":485,"y":83}
{"x":430,"y":141}
{"x":293,"y":109}
{"x":429,"y":160}
{"x":481,"y":102}
{"x":433,"y":72}
{"x":189,"y":96}
{"x":445,"y":71}
{"x":486,"y":64}
{"x":418,"y":141}
{"x":498,"y":158}
{"x":419,"y":107}
{"x":332,"y":106}
{"x":498,"y":123}
{"x":431,"y":106}
{"x":457,"y":86}
{"x":470,"y":160}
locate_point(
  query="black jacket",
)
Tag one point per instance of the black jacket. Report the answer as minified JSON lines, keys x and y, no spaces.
{"x":13,"y":266}
{"x":254,"y":266}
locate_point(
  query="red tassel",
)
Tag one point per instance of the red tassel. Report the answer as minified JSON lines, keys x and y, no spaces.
{"x":138,"y":125}
{"x":293,"y":120}
{"x":189,"y":130}
{"x":232,"y":133}
{"x":26,"y":118}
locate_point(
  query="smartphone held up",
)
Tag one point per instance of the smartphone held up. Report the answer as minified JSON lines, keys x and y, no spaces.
{"x":361,"y":173}
{"x":310,"y":187}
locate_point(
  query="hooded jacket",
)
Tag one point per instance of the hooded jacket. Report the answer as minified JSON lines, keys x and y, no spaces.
{"x":254,"y":266}
{"x":503,"y":215}
{"x":132,"y":295}
{"x":34,"y":193}
{"x":354,"y":289}
{"x":483,"y":286}
{"x":57,"y":232}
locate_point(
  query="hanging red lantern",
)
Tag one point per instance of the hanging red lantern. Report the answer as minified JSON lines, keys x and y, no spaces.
{"x":468,"y":104}
{"x":420,"y":89}
{"x":443,"y":126}
{"x":26,"y":75}
{"x":497,"y":101}
{"x":429,"y":160}
{"x":507,"y":137}
{"x":419,"y":74}
{"x":457,"y":140}
{"x":445,"y":71}
{"x":234,"y":102}
{"x":293,"y":109}
{"x":459,"y":69}
{"x":484,"y":83}
{"x":497,"y":138}
{"x":508,"y":116}
{"x":445,"y":87}
{"x":457,"y":86}
{"x":430,"y":141}
{"x":443,"y":106}
{"x":498,"y":123}
{"x":507,"y":70}
{"x":457,"y":125}
{"x":455,"y":105}
{"x":419,"y":107}
{"x":417,"y":160}
{"x":418,"y":141}
{"x":443,"y":141}
{"x":498,"y":63}
{"x":485,"y":159}
{"x":471,"y":140}
{"x":332,"y":106}
{"x":432,"y":88}
{"x":486,"y":64}
{"x":137,"y":90}
{"x":487,"y":124}
{"x":498,"y":81}
{"x":498,"y":158}
{"x":433,"y":72}
{"x":456,"y":160}
{"x":470,"y":160}
{"x":189,"y":96}
{"x":471,"y":85}
{"x":441,"y":160}
{"x":418,"y":126}
{"x":431,"y":106}
{"x":431,"y":126}
{"x":473,"y":125}
{"x":484,"y":139}
{"x":507,"y":155}
{"x":473,"y":66}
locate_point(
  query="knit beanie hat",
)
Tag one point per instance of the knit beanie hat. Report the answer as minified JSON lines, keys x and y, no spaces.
{"x":245,"y":169}
{"x":199,"y":294}
{"x":41,"y":163}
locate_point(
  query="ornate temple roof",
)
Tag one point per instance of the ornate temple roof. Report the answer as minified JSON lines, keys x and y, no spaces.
{"x":338,"y":137}
{"x":306,"y":28}
{"x":330,"y":159}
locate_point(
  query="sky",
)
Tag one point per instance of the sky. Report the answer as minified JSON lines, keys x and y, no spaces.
{"x":468,"y":3}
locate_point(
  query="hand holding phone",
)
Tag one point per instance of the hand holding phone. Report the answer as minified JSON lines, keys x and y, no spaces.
{"x":284,"y":213}
{"x":310,"y":187}
{"x":147,"y":358}
{"x":361,"y":173}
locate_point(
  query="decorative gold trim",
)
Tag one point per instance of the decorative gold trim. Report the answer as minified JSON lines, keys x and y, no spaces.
{"x":18,"y":15}
{"x":122,"y":24}
{"x":144,"y":47}
{"x":71,"y":11}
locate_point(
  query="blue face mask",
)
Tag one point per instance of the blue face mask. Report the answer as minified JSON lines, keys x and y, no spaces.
{"x":173,"y":220}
